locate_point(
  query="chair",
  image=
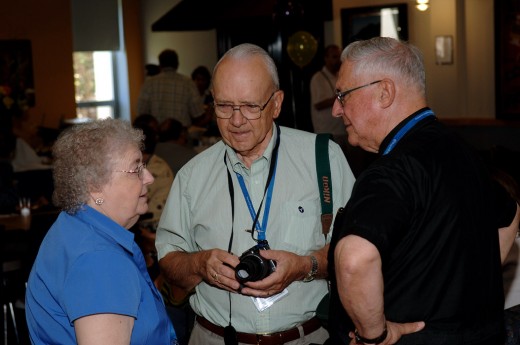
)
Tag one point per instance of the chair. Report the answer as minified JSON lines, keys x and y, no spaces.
{"x":40,"y":224}
{"x":512,"y":324}
{"x":12,"y":277}
{"x":19,"y":250}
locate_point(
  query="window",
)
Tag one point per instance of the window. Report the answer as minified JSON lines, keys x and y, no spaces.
{"x":94,"y":76}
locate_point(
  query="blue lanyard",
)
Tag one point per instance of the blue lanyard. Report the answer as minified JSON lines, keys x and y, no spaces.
{"x":406,"y":128}
{"x":268,"y":192}
{"x":260,"y":228}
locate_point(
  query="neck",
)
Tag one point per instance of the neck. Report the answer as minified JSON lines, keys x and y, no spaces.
{"x":248,"y":157}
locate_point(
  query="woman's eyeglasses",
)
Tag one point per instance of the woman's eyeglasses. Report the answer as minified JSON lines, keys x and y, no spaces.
{"x":139,"y":171}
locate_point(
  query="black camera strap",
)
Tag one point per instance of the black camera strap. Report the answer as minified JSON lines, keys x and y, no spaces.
{"x":230,"y":333}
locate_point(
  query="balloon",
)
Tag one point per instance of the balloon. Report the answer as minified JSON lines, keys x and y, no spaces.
{"x":302,"y":47}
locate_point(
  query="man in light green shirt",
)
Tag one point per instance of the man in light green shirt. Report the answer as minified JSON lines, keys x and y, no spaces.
{"x":262,"y":177}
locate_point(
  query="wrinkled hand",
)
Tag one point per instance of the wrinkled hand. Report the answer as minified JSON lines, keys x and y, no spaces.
{"x":218,"y":269}
{"x":288,"y":269}
{"x":395,"y":331}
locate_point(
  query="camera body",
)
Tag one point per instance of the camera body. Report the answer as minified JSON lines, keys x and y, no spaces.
{"x":253,"y":266}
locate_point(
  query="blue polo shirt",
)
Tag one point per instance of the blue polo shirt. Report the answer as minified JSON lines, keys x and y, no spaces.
{"x":88,"y":264}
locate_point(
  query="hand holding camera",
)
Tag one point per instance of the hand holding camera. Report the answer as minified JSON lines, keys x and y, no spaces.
{"x":253,"y":266}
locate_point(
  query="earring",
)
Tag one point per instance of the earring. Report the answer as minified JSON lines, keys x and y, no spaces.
{"x":99,"y":201}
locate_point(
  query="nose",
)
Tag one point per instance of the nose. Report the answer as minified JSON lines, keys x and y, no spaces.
{"x":237,"y":118}
{"x":147,"y":177}
{"x":337,"y":109}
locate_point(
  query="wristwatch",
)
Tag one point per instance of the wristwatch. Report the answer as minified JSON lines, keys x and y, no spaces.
{"x":361,"y":340}
{"x":314,"y":269}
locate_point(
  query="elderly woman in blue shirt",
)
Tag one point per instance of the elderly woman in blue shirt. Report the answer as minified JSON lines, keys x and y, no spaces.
{"x":89,"y":283}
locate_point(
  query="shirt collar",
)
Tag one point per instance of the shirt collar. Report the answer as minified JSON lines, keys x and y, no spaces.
{"x":107,"y":226}
{"x":393,"y":132}
{"x":237,"y":164}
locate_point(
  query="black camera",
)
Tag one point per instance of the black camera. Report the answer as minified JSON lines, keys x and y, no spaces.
{"x":253,"y":266}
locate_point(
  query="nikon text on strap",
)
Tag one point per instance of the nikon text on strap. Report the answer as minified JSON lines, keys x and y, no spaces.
{"x":324,"y":180}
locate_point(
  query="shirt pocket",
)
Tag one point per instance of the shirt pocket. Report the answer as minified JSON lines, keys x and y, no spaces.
{"x":302,"y":233}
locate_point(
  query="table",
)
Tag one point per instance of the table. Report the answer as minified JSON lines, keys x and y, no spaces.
{"x":15,"y":222}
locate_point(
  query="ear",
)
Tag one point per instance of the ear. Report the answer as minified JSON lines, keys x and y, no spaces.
{"x":277,"y":100}
{"x":387,"y":95}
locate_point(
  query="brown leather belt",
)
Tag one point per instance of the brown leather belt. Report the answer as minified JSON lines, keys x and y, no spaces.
{"x":277,"y":338}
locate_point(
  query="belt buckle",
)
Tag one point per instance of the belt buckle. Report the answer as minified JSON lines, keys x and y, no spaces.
{"x":272,"y":337}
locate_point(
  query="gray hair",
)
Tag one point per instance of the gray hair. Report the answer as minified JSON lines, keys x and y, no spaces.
{"x":248,"y":50}
{"x":386,"y":55}
{"x":84,"y":157}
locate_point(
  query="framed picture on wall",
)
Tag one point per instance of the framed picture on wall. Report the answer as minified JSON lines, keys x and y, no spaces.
{"x":16,"y":77}
{"x":507,"y":59}
{"x":444,"y":50}
{"x":361,"y":23}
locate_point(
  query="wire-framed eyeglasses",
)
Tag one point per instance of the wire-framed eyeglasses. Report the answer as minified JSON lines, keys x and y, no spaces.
{"x":249,"y":111}
{"x":340,"y":95}
{"x":139,"y":171}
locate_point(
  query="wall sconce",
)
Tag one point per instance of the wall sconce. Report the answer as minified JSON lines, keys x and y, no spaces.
{"x":422,"y":5}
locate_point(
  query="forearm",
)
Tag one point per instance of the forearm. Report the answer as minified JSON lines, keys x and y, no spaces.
{"x":183,"y":269}
{"x":507,"y":235}
{"x":321,"y":258}
{"x":360,"y":284}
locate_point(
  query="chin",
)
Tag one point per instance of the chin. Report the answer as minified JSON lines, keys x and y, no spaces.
{"x":142,"y":209}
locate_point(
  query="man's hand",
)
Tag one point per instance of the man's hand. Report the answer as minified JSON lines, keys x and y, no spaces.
{"x":218,"y":269}
{"x":289,"y":267}
{"x":396,"y":331}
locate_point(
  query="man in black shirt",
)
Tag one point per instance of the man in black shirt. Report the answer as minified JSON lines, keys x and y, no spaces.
{"x":415,"y":256}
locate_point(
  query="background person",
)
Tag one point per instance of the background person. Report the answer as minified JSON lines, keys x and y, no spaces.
{"x":203,"y":232}
{"x":171,"y":95}
{"x":322,"y":87}
{"x":158,"y":167}
{"x":89,"y":283}
{"x":173,"y":146}
{"x":202,"y":79}
{"x":415,"y":255}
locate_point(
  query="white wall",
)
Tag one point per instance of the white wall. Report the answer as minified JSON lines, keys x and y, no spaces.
{"x":193,"y":47}
{"x":464,"y":89}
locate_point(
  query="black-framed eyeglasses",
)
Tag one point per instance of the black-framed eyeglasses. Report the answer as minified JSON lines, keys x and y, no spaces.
{"x":139,"y":171}
{"x":249,"y":111}
{"x":340,"y":95}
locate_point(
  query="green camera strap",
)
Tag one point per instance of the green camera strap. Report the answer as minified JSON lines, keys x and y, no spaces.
{"x":324,"y":180}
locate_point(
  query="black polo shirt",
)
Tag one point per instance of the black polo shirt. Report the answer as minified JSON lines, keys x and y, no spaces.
{"x":432,"y":210}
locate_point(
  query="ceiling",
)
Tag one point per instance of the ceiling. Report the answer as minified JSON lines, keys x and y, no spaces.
{"x":193,"y":15}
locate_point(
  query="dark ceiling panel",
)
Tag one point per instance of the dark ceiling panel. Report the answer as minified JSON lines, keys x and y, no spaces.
{"x":207,"y":14}
{"x":190,"y":15}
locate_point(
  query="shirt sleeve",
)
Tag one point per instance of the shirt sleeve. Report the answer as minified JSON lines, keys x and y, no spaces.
{"x":175,"y":223}
{"x":102,"y":282}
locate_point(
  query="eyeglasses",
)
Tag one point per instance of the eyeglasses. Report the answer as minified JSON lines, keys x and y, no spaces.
{"x":340,"y":95}
{"x":139,"y":171}
{"x":249,"y":111}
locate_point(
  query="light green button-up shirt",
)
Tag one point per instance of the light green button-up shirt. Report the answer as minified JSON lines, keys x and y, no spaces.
{"x":198,"y":217}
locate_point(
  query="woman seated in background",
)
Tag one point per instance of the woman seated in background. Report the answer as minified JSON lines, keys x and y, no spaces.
{"x":89,"y":283}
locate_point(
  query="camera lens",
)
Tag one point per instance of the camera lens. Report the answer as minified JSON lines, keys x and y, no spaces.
{"x":251,"y":268}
